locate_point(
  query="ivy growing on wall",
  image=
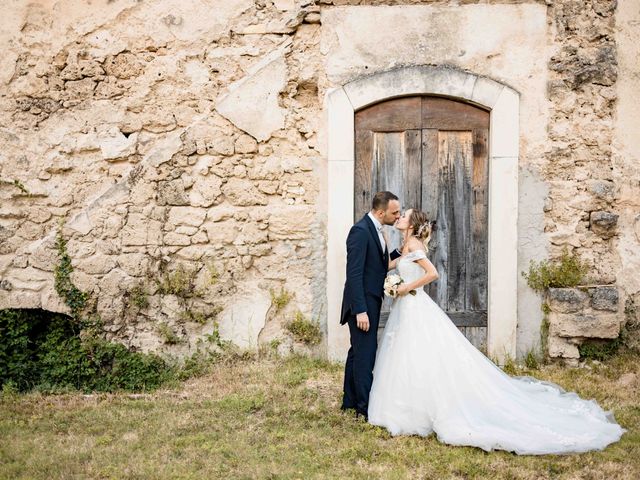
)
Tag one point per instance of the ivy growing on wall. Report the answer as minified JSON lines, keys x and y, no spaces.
{"x":72,"y":296}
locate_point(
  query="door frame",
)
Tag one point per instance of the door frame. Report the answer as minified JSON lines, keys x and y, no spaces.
{"x":503,"y":104}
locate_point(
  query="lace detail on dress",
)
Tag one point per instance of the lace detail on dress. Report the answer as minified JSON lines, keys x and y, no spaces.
{"x":415,"y":255}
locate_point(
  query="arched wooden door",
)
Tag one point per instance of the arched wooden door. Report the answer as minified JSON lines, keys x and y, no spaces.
{"x":432,"y":153}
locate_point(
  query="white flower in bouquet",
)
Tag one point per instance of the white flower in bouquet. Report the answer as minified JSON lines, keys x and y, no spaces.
{"x":391,"y":284}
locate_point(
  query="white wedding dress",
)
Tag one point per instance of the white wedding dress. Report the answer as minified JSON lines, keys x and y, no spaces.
{"x":429,"y":378}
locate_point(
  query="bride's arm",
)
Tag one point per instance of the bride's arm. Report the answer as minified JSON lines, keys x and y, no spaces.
{"x":430,"y":275}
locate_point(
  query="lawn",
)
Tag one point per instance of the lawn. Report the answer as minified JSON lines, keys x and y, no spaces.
{"x":266,"y":417}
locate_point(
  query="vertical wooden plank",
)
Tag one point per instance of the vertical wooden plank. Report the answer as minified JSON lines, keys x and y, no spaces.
{"x":439,"y":290}
{"x":451,"y":190}
{"x":478,"y":337}
{"x":388,"y":163}
{"x":412,"y":172}
{"x":390,"y":149}
{"x":458,"y":154}
{"x":388,"y":159}
{"x":465,"y":167}
{"x":363,"y":175}
{"x":429,"y":200}
{"x":478,"y":251}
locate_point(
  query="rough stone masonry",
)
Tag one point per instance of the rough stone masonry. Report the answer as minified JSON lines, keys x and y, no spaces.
{"x":184,"y":140}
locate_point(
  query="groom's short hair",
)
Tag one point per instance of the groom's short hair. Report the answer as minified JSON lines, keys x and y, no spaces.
{"x":381,"y":200}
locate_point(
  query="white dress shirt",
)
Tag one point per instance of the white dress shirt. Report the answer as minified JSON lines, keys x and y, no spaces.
{"x":378,"y":226}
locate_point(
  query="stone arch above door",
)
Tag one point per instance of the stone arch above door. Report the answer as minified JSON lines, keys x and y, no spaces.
{"x":503,"y":104}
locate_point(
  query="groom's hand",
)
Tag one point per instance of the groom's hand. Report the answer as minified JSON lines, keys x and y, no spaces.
{"x":362,"y":321}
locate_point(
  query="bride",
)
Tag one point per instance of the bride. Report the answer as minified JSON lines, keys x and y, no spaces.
{"x":429,"y":378}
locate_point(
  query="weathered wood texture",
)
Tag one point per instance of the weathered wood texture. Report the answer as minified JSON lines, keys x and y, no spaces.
{"x":432,"y":152}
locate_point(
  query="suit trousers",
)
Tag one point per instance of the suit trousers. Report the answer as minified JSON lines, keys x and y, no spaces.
{"x":358,"y":370}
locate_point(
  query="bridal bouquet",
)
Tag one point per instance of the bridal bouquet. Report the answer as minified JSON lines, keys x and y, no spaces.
{"x":391,"y":284}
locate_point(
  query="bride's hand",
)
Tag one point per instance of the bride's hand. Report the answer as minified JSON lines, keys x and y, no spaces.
{"x":402,"y":290}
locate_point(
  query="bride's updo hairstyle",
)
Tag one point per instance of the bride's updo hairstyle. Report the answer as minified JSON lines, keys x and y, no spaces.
{"x":421,"y":227}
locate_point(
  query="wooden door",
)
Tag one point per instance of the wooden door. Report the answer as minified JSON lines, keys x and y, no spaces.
{"x":432,"y":153}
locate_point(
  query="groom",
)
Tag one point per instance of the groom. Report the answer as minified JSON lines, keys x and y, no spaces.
{"x":367,"y":264}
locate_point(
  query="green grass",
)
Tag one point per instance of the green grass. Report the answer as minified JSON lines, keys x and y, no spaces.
{"x":271,"y":417}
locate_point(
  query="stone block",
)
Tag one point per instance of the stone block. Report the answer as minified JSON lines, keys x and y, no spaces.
{"x":123,"y":65}
{"x":81,"y":223}
{"x":284,"y":5}
{"x":605,"y":298}
{"x":220,"y":213}
{"x":565,"y":237}
{"x":83,"y":281}
{"x":114,"y":283}
{"x":51,"y":301}
{"x":44,"y":259}
{"x":567,"y":300}
{"x":20,"y":261}
{"x":96,"y":264}
{"x":242,"y":321}
{"x":200,"y":237}
{"x":140,"y":231}
{"x":223,"y":145}
{"x":39,"y":215}
{"x":241,"y":192}
{"x":205,"y":191}
{"x":173,"y":238}
{"x":291,"y":223}
{"x":562,"y":348}
{"x":134,"y":264}
{"x":246,"y":144}
{"x":80,"y":88}
{"x":260,"y":250}
{"x":164,"y":149}
{"x":193,"y":252}
{"x":602,"y":189}
{"x":172,"y":192}
{"x":586,"y":325}
{"x":114,"y":145}
{"x":30,"y":230}
{"x":252,"y":102}
{"x":221,"y":233}
{"x":186,"y":230}
{"x":112,"y":225}
{"x":190,"y":216}
{"x":251,"y":233}
{"x":603,"y":223}
{"x":270,"y":169}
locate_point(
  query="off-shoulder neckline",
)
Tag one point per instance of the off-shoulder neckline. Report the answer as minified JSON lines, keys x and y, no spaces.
{"x":412,"y":253}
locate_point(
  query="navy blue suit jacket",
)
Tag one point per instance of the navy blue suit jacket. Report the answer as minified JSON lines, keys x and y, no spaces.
{"x":367,"y":267}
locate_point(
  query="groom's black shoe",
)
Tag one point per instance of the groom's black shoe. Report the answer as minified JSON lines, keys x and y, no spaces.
{"x":362,"y":415}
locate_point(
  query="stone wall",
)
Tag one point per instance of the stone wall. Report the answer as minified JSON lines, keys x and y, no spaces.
{"x":590,"y":169}
{"x":190,"y":133}
{"x":626,"y":165}
{"x":170,"y":137}
{"x":580,"y":314}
